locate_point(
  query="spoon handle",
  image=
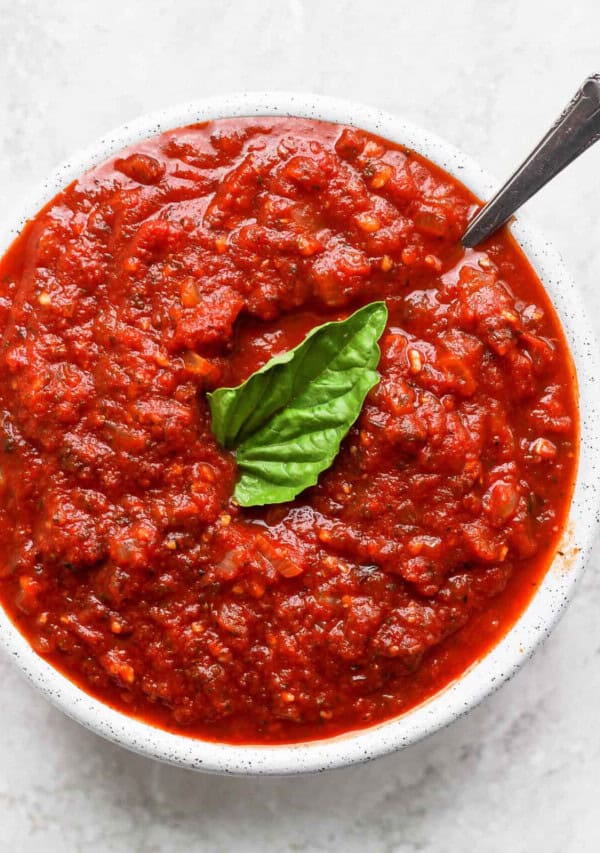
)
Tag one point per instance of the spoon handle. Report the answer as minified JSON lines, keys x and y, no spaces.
{"x":576,"y":129}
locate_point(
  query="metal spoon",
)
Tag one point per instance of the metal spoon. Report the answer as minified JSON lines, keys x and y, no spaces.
{"x":576,"y":129}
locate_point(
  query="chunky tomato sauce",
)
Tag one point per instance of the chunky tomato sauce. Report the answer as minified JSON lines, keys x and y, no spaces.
{"x":184,"y":264}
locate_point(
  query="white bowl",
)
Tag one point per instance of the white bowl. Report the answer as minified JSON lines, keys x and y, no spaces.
{"x":549,"y":601}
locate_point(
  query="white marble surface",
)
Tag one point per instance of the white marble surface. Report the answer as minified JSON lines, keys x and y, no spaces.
{"x":520,"y":773}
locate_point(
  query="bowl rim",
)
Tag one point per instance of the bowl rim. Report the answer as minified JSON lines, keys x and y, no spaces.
{"x":548,"y":603}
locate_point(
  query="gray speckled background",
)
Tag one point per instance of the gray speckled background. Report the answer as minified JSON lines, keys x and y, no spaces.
{"x":520,"y":773}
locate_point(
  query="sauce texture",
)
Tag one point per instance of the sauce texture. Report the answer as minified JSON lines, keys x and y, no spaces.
{"x":182,"y":265}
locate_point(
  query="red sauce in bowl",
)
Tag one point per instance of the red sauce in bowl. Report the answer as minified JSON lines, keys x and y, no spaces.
{"x":184,"y":264}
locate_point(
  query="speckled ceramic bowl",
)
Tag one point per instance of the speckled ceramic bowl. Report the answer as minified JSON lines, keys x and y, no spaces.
{"x":545,"y":608}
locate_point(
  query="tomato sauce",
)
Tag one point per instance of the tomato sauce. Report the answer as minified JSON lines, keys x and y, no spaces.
{"x":182,"y":265}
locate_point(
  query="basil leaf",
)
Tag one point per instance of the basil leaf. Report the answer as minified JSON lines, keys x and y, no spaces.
{"x":287,"y":421}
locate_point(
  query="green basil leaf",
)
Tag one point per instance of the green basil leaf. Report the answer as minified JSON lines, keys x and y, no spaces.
{"x":287,"y":421}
